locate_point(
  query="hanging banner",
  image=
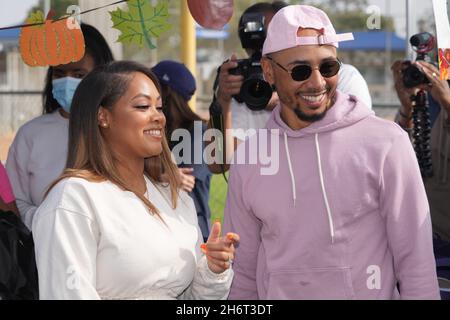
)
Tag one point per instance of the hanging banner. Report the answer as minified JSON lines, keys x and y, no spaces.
{"x":443,"y":36}
{"x":141,"y":22}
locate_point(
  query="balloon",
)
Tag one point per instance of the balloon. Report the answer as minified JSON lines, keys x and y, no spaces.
{"x":211,"y":14}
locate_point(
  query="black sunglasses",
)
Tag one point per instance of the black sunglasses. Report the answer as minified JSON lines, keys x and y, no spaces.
{"x":302,"y":72}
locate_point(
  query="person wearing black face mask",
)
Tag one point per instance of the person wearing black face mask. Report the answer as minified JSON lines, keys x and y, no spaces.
{"x":38,"y":153}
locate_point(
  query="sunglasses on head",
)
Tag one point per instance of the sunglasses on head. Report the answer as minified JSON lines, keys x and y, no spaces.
{"x":302,"y":72}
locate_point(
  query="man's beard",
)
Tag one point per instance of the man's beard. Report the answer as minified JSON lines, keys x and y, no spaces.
{"x":309,"y":118}
{"x":315,"y":117}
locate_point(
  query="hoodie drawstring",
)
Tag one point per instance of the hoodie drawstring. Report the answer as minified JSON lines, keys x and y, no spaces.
{"x":319,"y":164}
{"x":294,"y":190}
{"x":324,"y":193}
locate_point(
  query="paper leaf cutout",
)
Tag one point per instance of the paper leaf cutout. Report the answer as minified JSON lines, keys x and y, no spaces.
{"x":141,"y":22}
{"x":52,"y":43}
{"x":211,"y":14}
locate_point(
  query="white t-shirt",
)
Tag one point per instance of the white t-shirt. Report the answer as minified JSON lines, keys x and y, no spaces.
{"x":352,"y":82}
{"x":244,"y":119}
{"x":96,"y":241}
{"x":36,"y":158}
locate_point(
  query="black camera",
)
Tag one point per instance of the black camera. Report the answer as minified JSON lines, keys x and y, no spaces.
{"x":413,"y":75}
{"x":251,"y":31}
{"x":255,"y":91}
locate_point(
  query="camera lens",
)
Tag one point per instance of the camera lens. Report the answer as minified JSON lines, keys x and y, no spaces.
{"x":413,"y":76}
{"x":256,"y":93}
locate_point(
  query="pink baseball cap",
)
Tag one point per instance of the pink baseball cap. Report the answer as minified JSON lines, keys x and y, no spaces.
{"x":282,"y":31}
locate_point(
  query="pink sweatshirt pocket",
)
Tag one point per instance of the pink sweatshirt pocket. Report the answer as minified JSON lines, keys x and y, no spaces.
{"x":311,"y":284}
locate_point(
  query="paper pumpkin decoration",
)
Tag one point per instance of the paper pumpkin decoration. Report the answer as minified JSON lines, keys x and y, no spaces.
{"x":211,"y":14}
{"x":141,"y":22}
{"x":51,"y":43}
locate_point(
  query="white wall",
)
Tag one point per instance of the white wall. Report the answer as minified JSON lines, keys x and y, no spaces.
{"x":101,"y":19}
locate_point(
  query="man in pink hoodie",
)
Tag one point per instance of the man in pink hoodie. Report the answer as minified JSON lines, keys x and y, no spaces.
{"x":346,"y":215}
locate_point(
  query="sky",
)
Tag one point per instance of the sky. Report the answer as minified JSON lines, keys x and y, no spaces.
{"x":14,"y":11}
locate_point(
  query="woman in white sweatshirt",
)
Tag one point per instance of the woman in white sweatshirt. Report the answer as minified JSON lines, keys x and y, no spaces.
{"x":110,"y":228}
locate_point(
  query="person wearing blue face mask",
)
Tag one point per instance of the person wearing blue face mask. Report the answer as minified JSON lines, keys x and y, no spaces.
{"x":38,"y":153}
{"x":63,"y":91}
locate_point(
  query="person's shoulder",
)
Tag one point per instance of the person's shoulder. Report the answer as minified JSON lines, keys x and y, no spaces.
{"x":348,"y":69}
{"x":71,"y":187}
{"x":72,"y":194}
{"x":383,"y":129}
{"x":39,"y":124}
{"x":77,"y":187}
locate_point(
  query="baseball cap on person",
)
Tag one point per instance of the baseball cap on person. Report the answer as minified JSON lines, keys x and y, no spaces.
{"x":282,"y":30}
{"x":177,"y":76}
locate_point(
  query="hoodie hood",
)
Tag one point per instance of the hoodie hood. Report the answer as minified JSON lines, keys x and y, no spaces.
{"x":346,"y":111}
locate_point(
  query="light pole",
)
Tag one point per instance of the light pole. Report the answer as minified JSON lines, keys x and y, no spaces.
{"x":188,"y":43}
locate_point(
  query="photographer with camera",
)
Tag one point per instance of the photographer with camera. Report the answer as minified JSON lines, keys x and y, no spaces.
{"x":409,"y":79}
{"x":242,"y":99}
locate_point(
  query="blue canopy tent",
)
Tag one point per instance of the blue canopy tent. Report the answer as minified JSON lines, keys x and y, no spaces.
{"x":374,"y":41}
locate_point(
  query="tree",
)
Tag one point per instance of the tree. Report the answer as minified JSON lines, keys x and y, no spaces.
{"x":59,"y":6}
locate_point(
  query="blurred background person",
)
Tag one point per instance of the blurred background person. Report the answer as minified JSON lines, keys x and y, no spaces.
{"x":178,"y":86}
{"x":38,"y":153}
{"x":438,"y":185}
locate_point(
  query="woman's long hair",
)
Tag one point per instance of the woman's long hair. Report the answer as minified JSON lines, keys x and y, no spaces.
{"x":90,"y":157}
{"x":177,"y":111}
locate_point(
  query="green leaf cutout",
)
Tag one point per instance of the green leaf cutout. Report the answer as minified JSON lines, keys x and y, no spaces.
{"x":141,"y":22}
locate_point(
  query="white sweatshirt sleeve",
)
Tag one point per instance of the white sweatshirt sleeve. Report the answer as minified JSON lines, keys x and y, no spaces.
{"x":66,"y":251}
{"x":16,"y":166}
{"x":206,"y":284}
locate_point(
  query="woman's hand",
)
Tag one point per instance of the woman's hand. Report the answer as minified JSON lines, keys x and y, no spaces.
{"x":187,"y":179}
{"x":438,"y":88}
{"x":220,"y":250}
